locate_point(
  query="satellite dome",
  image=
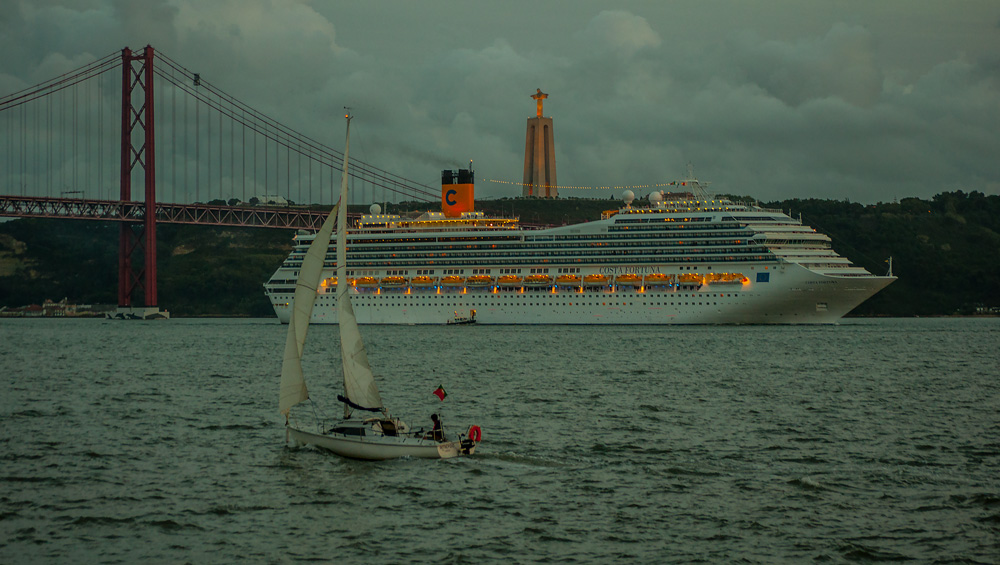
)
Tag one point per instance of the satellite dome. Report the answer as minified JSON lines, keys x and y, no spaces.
{"x":655,"y":197}
{"x":628,"y":196}
{"x":375,"y":209}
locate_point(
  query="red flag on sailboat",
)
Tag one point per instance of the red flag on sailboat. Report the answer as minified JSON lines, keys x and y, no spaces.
{"x":440,"y":393}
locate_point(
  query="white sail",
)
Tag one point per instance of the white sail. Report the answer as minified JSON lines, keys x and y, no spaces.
{"x":293,"y":385}
{"x":359,"y":383}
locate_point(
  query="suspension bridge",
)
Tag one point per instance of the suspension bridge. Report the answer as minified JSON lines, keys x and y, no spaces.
{"x":136,"y":138}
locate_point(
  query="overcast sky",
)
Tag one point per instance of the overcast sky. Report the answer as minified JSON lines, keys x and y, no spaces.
{"x":865,"y":100}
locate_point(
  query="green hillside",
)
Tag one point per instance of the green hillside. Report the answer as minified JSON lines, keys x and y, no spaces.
{"x":202,"y":271}
{"x":946,"y":253}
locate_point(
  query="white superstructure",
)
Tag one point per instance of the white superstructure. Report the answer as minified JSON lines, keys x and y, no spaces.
{"x":681,"y":259}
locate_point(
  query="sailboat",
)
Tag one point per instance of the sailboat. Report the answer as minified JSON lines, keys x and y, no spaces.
{"x":380,"y":436}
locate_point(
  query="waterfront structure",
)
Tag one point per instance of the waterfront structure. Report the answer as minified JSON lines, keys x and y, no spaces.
{"x":51,"y":309}
{"x":679,"y":258}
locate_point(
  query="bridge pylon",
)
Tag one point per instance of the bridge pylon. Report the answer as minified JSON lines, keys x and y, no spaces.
{"x":137,"y":240}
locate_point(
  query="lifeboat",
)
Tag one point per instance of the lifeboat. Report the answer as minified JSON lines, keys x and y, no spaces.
{"x":422,"y":281}
{"x":568,"y":280}
{"x":537,"y":280}
{"x":657,"y":279}
{"x":509,"y":280}
{"x":329,"y":282}
{"x":689,"y":278}
{"x":452,"y":280}
{"x":366,"y":282}
{"x":733,"y":278}
{"x":393,"y":282}
{"x":628,"y":280}
{"x":595,"y":280}
{"x":479,"y":280}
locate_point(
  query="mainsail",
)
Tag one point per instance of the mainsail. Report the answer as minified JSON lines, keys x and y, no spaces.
{"x":359,"y":383}
{"x":293,"y":384}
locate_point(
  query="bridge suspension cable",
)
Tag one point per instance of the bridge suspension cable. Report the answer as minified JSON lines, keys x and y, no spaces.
{"x":306,"y":147}
{"x":53,"y":142}
{"x":108,"y":63}
{"x":58,"y":140}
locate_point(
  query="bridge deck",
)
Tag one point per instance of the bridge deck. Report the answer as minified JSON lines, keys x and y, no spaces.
{"x":287,"y":217}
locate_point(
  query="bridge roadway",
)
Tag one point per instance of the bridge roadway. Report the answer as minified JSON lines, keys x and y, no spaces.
{"x":286,"y":217}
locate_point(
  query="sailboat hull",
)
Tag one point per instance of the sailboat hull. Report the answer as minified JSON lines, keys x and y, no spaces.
{"x":380,"y":447}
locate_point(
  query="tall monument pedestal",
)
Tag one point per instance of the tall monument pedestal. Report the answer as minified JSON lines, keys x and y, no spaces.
{"x":540,"y":155}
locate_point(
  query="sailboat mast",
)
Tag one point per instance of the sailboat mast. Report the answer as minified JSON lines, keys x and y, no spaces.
{"x":342,"y":219}
{"x":342,"y":299}
{"x":360,"y":389}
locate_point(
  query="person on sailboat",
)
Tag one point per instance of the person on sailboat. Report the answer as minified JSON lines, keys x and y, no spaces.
{"x":437,"y":433}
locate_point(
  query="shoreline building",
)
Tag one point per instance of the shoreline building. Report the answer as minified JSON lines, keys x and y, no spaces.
{"x":540,"y":154}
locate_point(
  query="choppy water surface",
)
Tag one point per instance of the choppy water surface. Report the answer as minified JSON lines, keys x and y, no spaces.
{"x":871,"y":440}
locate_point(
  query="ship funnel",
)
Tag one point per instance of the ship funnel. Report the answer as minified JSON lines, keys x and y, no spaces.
{"x":457,"y":192}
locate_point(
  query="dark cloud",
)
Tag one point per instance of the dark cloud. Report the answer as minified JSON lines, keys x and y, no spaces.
{"x":778,"y":100}
{"x":840,"y":64}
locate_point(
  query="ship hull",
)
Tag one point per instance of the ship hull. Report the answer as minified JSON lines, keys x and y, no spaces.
{"x":787,"y":294}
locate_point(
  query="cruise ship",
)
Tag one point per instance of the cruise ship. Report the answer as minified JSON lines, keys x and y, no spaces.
{"x":675,"y":258}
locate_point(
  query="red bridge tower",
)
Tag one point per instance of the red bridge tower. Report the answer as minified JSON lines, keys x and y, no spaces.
{"x":137,"y":242}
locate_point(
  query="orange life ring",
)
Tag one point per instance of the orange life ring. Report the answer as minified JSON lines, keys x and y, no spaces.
{"x":476,"y":434}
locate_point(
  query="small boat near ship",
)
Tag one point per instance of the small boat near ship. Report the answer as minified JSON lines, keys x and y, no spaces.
{"x":509,"y":280}
{"x":595,"y":280}
{"x":479,"y":281}
{"x":657,"y":279}
{"x":538,"y":281}
{"x":423,"y":281}
{"x":463,"y":320}
{"x":366,"y":282}
{"x":628,"y":280}
{"x":572,"y":281}
{"x":393,"y":282}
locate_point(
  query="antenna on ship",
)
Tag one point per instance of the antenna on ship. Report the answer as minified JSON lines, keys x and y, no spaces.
{"x":698,"y":189}
{"x":889,"y":274}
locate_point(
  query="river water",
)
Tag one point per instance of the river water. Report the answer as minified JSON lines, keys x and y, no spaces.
{"x":871,"y":440}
